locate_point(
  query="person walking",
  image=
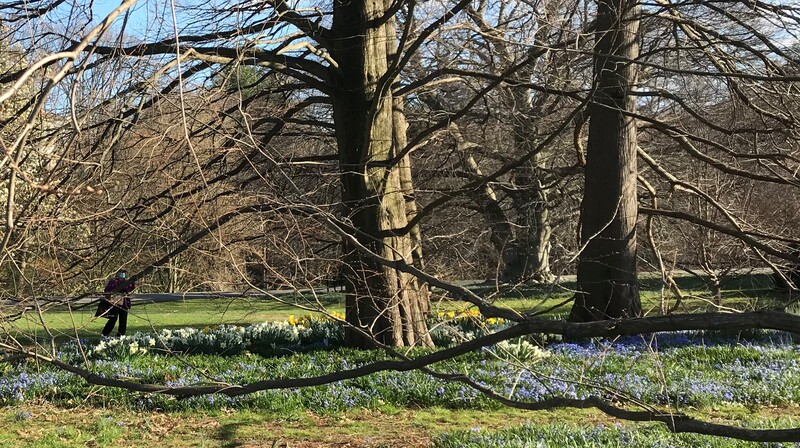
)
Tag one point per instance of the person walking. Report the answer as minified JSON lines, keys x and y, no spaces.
{"x":116,"y":302}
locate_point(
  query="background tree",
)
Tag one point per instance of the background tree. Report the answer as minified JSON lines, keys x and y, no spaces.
{"x":518,"y":43}
{"x":159,"y":160}
{"x":607,"y":280}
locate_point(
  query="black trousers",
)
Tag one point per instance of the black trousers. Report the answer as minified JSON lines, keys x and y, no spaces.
{"x":112,"y":320}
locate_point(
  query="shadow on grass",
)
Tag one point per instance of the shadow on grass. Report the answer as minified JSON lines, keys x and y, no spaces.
{"x":228,"y":436}
{"x":744,"y":291}
{"x":745,"y":283}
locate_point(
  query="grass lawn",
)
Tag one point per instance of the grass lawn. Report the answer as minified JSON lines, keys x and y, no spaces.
{"x":49,"y":426}
{"x":46,"y":426}
{"x":742,"y":292}
{"x":147,"y":317}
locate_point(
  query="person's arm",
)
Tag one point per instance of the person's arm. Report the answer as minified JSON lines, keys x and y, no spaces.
{"x":106,"y":291}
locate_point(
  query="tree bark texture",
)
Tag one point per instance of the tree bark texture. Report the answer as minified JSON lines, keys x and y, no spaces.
{"x":388,"y":305}
{"x":607,"y":280}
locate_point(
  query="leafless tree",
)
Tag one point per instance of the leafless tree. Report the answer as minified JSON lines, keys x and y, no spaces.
{"x":176,"y":158}
{"x":607,"y":280}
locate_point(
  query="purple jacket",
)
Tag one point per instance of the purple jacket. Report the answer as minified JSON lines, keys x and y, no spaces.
{"x":115,"y":285}
{"x":118,"y":285}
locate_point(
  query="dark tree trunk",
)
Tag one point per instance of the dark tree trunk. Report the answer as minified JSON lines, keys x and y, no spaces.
{"x":382,"y":303}
{"x":607,"y":281}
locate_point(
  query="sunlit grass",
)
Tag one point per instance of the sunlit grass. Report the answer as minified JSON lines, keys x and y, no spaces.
{"x":147,"y":317}
{"x":44,"y":425}
{"x":741,"y":292}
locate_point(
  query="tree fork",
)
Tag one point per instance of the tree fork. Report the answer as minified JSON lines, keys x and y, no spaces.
{"x":388,"y":304}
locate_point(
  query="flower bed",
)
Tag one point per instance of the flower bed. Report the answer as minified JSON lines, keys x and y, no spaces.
{"x":616,"y":436}
{"x":268,"y":339}
{"x":677,"y":369}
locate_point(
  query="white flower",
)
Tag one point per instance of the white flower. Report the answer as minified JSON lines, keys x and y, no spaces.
{"x":522,"y":351}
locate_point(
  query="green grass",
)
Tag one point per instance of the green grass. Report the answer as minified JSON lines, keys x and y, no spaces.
{"x":741,"y":292}
{"x":45,"y":426}
{"x":568,"y":435}
{"x":146,"y":317}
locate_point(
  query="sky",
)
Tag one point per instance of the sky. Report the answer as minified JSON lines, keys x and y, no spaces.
{"x":146,"y":18}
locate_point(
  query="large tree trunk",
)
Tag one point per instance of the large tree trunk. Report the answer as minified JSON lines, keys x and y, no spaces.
{"x":382,"y":303}
{"x":607,"y":282}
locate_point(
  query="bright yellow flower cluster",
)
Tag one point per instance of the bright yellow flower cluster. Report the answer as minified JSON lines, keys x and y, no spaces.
{"x":306,"y":319}
{"x":295,"y":321}
{"x":472,"y":313}
{"x":446,"y":315}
